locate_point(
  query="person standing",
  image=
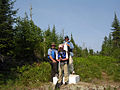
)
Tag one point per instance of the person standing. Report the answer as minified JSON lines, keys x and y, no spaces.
{"x":52,"y":58}
{"x":63,"y":66}
{"x":70,"y":51}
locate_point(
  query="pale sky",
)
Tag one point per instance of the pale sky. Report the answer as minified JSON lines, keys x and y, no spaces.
{"x":88,"y":20}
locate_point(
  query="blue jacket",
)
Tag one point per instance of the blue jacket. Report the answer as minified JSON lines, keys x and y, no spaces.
{"x":62,"y":55}
{"x":71,"y":47}
{"x":52,"y":53}
{"x":69,"y":43}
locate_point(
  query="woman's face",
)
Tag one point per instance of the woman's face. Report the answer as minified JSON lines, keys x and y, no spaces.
{"x":60,"y":49}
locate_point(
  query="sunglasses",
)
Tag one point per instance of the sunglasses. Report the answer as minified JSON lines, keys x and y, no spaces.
{"x":52,"y":45}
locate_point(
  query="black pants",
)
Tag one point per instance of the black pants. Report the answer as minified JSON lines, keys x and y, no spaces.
{"x":54,"y":70}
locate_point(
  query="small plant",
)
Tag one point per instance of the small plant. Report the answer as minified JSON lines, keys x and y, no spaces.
{"x":92,"y":67}
{"x":35,"y":73}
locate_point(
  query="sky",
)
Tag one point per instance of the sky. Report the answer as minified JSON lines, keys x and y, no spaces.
{"x":89,"y":21}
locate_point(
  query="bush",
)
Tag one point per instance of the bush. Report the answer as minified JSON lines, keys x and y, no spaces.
{"x":116,"y":76}
{"x":86,"y":69}
{"x":116,"y":54}
{"x":35,"y":73}
{"x":92,"y":67}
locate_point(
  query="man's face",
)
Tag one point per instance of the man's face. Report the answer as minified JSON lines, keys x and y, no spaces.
{"x":66,"y":39}
{"x":53,"y":46}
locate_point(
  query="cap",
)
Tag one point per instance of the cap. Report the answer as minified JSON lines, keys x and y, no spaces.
{"x":60,"y":46}
{"x":53,"y":43}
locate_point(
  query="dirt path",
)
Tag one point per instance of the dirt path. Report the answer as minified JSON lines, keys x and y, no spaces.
{"x":81,"y":86}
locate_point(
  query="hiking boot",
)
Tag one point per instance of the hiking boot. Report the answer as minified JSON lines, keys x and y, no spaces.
{"x":61,"y":83}
{"x":66,"y":83}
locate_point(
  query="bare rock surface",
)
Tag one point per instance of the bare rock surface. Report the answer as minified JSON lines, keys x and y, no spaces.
{"x":80,"y":86}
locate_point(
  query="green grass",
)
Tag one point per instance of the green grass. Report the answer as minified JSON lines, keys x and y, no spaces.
{"x":92,"y":67}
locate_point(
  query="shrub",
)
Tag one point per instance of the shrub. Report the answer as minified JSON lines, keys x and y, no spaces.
{"x":86,"y":69}
{"x":92,"y":67}
{"x":31,"y":74}
{"x":116,"y":76}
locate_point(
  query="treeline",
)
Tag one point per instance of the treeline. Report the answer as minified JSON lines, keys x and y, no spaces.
{"x":111,"y":44}
{"x":20,"y":39}
{"x":23,"y":42}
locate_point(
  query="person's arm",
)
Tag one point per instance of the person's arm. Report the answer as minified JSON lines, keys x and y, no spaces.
{"x":49,"y":54}
{"x":68,"y":44}
{"x":58,"y":60}
{"x":52,"y":59}
{"x":58,"y":56}
{"x":65,"y":59}
{"x":71,"y":45}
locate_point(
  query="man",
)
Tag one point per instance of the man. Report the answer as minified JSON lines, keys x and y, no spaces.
{"x":63,"y":66}
{"x":70,"y":49}
{"x":52,"y":58}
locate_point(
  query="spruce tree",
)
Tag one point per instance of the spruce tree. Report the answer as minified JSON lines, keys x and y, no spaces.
{"x":60,"y":39}
{"x":72,"y":40}
{"x":47,"y":40}
{"x":7,"y":20}
{"x":107,"y":46}
{"x":85,"y":52}
{"x":116,"y":32}
{"x":77,"y":50}
{"x":104,"y":46}
{"x":54,"y":37}
{"x":91,"y":52}
{"x":28,"y":38}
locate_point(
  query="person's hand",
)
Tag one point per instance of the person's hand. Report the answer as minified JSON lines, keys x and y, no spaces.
{"x":58,"y":60}
{"x":54,"y":61}
{"x":65,"y":59}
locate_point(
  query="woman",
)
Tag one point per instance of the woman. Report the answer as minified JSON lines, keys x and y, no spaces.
{"x":63,"y":66}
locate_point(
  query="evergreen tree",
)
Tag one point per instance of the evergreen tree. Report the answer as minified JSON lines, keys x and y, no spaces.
{"x":104,"y":46}
{"x":107,"y":46}
{"x":60,"y":39}
{"x":85,"y":52}
{"x":75,"y":47}
{"x":77,"y":50}
{"x":116,"y":33}
{"x":7,"y":20}
{"x":27,"y":38}
{"x":72,"y":40}
{"x":54,"y":37}
{"x":91,"y":52}
{"x":110,"y":44}
{"x":47,"y":40}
